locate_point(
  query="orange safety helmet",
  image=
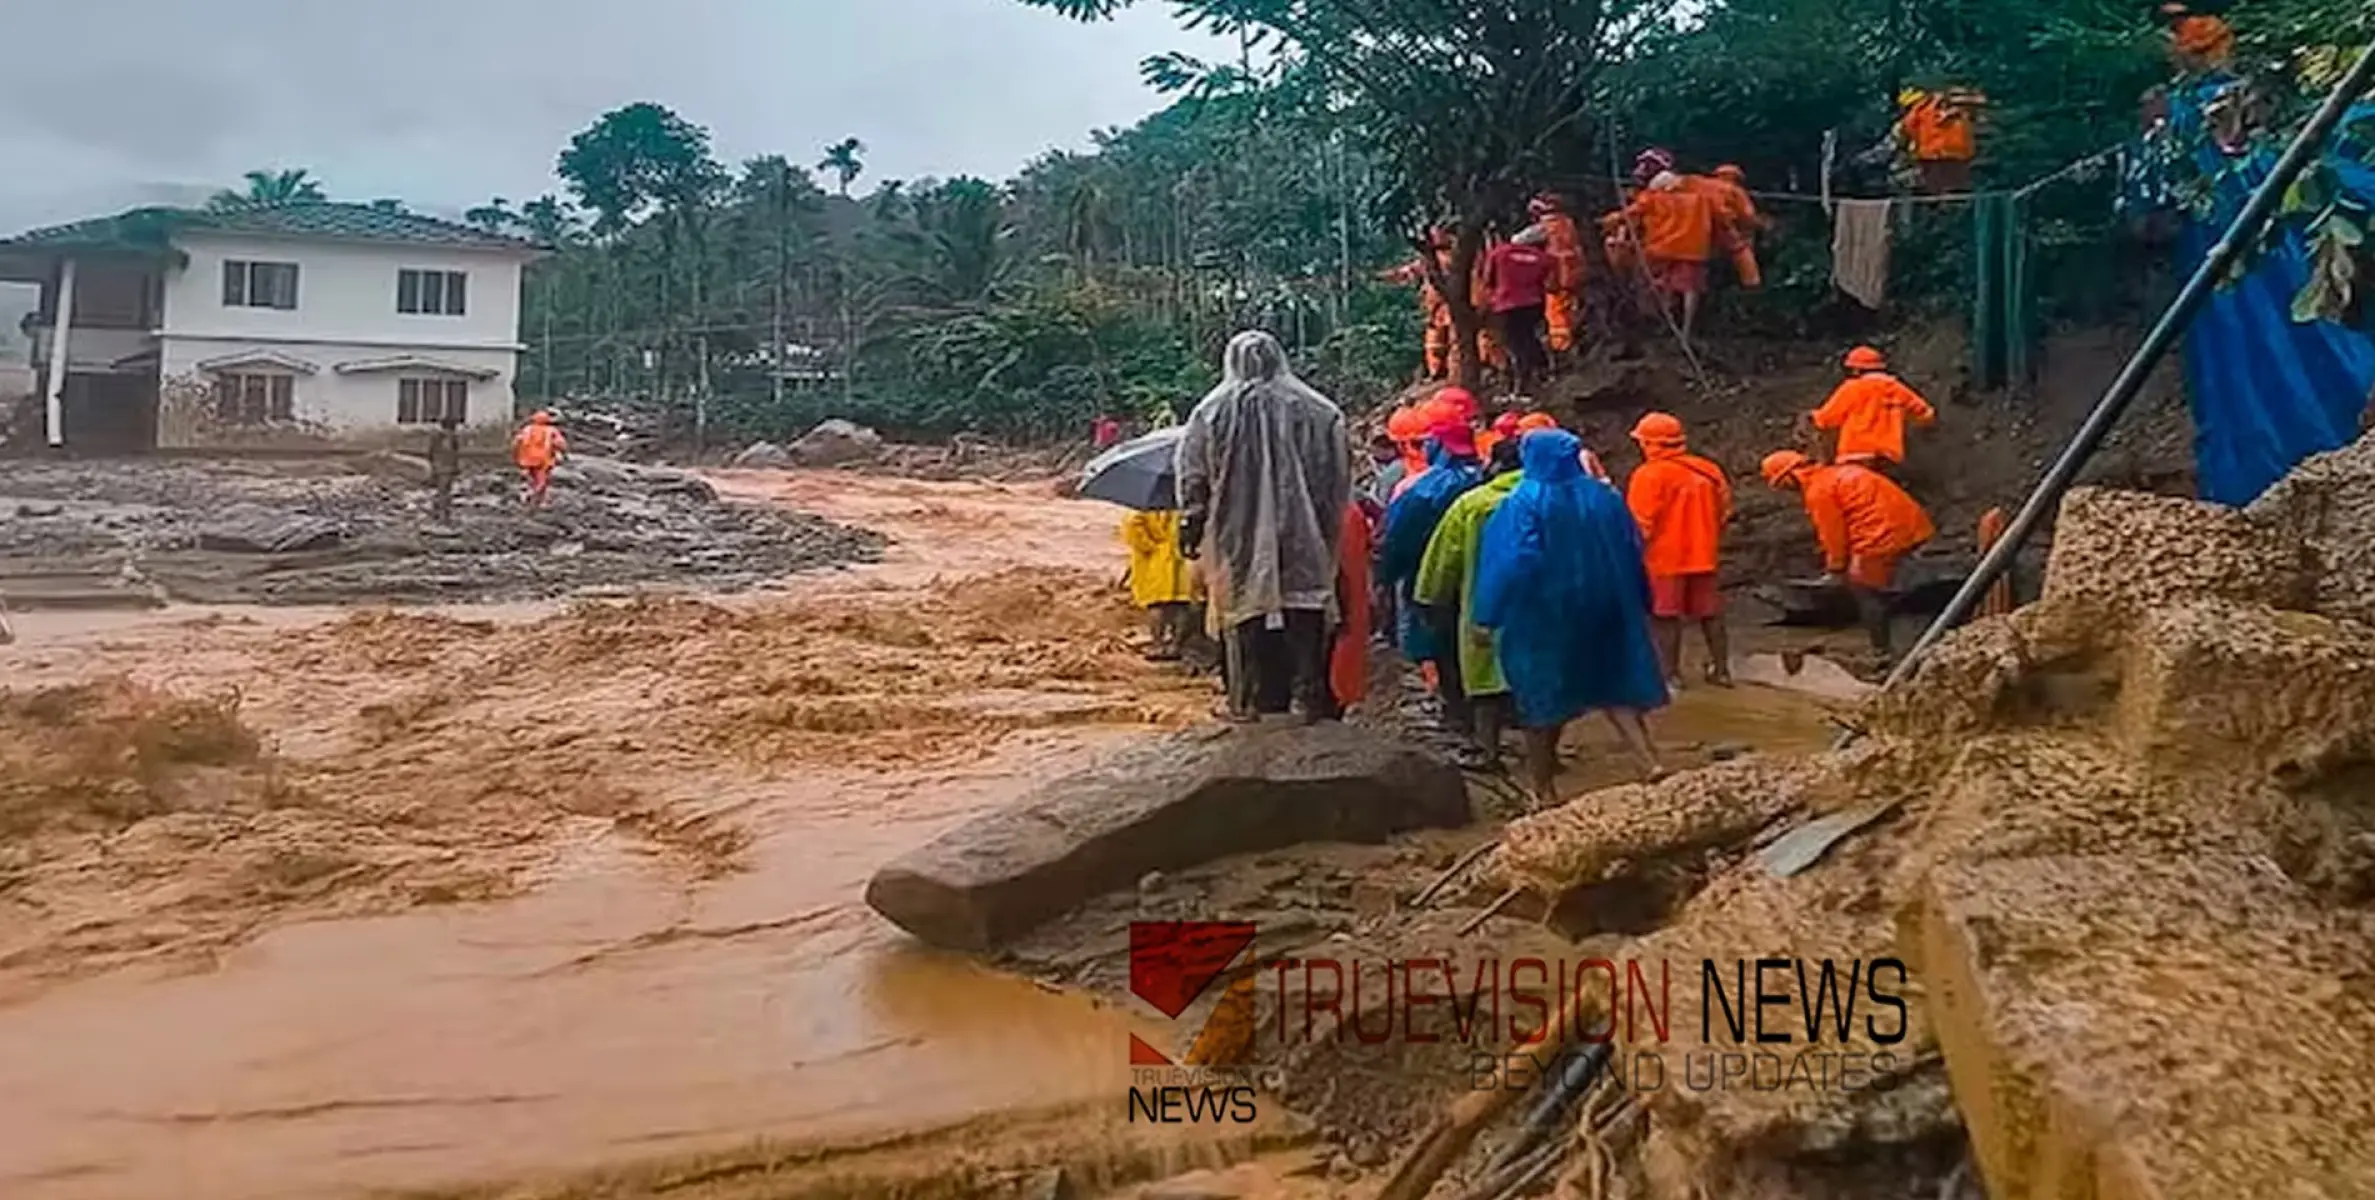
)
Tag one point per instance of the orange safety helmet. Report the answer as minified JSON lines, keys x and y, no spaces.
{"x":1731,"y":173}
{"x":1866,"y":358}
{"x":1406,"y":424}
{"x":1536,"y":422}
{"x":1659,"y":429}
{"x":1781,"y":464}
{"x":543,"y":416}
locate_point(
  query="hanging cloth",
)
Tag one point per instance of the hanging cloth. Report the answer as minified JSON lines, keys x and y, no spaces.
{"x":1860,"y":249}
{"x":2003,"y":310}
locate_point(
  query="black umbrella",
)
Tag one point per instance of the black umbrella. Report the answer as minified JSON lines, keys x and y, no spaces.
{"x":1138,"y":473}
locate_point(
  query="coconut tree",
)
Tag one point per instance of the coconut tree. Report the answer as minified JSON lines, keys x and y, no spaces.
{"x":845,"y":161}
{"x":292,"y":185}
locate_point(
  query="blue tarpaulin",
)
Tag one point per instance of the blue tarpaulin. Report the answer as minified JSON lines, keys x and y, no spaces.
{"x":2267,"y":390}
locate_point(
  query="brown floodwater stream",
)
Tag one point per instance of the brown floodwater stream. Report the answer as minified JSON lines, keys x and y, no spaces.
{"x":615,"y":1013}
{"x":607,"y":1016}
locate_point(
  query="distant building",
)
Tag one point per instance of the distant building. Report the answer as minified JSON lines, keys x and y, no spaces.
{"x":283,"y":325}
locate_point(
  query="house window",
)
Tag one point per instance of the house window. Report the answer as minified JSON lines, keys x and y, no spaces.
{"x":429,"y":401}
{"x":431,"y":293}
{"x":254,"y":399}
{"x":259,"y":284}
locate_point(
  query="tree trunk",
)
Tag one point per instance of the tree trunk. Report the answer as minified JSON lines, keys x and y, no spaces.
{"x":1456,"y":288}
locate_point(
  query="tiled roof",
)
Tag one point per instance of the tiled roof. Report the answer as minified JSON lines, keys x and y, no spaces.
{"x":152,"y":228}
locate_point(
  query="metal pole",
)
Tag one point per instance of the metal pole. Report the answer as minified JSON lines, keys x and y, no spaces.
{"x":2246,"y":230}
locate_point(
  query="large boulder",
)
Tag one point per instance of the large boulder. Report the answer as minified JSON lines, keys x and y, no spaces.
{"x":1165,"y":806}
{"x":254,"y":529}
{"x":761,"y":455}
{"x":835,"y":442}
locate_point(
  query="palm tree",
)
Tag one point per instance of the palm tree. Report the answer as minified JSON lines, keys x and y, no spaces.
{"x":293,"y":185}
{"x":845,"y":159}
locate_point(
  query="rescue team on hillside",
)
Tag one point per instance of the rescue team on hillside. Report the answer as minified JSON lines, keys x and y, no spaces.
{"x":1505,"y":560}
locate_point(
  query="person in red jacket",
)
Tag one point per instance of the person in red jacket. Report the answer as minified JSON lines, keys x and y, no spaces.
{"x":1517,"y":285}
{"x":1682,"y":502}
{"x":1866,"y":525}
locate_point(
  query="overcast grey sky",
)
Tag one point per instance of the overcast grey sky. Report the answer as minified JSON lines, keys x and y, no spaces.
{"x":109,"y":103}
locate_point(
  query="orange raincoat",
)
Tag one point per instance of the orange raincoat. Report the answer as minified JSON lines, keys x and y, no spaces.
{"x":1737,"y":222}
{"x":1865,"y":522}
{"x":1677,"y":225}
{"x":1937,"y":129}
{"x":538,"y":445}
{"x":1562,"y":303}
{"x":1682,"y":502}
{"x":1348,"y":659}
{"x":1869,"y":412}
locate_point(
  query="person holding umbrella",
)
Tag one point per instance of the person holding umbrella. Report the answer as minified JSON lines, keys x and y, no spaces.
{"x":1265,"y":476}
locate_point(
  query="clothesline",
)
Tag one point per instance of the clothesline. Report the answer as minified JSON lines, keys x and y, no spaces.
{"x":2023,"y":192}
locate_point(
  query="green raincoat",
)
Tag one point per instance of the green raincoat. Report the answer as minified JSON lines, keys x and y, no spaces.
{"x":1447,"y":575}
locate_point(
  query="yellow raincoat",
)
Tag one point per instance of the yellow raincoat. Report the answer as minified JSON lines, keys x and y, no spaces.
{"x":1159,"y":573}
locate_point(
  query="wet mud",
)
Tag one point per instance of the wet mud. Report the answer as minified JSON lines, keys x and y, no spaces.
{"x":563,"y":898}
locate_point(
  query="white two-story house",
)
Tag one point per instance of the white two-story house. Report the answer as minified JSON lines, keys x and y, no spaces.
{"x":293,"y":325}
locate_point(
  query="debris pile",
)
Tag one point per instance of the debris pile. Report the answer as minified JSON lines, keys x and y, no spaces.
{"x":327,"y":532}
{"x":2129,"y":863}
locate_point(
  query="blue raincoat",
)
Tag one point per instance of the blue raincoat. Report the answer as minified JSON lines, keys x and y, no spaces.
{"x":1559,"y":577}
{"x":1410,"y":523}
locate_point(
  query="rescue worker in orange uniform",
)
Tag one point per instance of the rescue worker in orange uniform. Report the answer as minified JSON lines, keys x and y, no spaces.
{"x":1866,"y":525}
{"x":1430,"y":302}
{"x":1939,"y":132}
{"x":1737,"y":221}
{"x":536,"y":449}
{"x":1682,"y":502}
{"x":1489,"y":350}
{"x":1674,"y":225}
{"x":2199,"y":42}
{"x":1869,"y":412}
{"x":1562,"y":301}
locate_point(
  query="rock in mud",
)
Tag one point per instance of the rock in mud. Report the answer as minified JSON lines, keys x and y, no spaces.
{"x":388,"y":464}
{"x":1166,"y":806}
{"x":761,"y":455}
{"x":253,"y":529}
{"x":835,"y":442}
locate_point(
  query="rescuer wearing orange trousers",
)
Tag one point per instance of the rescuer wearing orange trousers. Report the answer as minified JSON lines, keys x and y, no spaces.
{"x":1865,"y":523}
{"x":1675,"y":224}
{"x":1868,"y":413}
{"x":1562,"y":301}
{"x":536,"y":449}
{"x":1682,"y":502}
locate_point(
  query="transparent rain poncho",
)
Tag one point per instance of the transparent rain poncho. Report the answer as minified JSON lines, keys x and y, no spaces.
{"x":1265,"y":471}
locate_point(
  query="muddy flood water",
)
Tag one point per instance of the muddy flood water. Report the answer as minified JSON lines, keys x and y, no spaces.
{"x":581,"y":888}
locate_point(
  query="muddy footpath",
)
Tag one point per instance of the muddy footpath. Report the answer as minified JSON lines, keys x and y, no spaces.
{"x":562,"y":896}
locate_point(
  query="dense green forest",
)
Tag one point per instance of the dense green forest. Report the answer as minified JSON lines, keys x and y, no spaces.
{"x":751,"y":300}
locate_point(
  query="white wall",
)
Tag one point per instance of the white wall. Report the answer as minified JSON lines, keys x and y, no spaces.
{"x":346,"y":294}
{"x":358,"y":409}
